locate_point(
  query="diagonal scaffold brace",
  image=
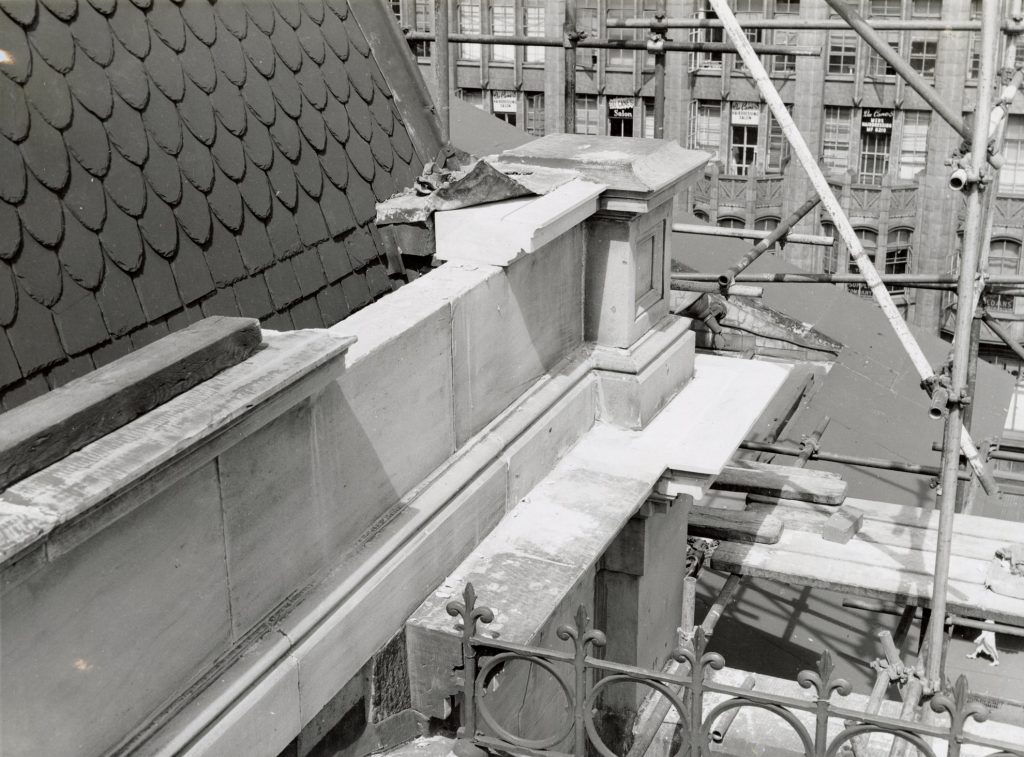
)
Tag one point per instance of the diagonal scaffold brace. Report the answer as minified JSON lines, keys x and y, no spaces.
{"x":842,"y":223}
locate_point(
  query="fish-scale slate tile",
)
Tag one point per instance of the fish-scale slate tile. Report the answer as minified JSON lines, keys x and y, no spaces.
{"x":162,"y":160}
{"x":10,"y":371}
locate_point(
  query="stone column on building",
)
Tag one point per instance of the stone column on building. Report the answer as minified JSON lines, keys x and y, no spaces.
{"x":643,"y":353}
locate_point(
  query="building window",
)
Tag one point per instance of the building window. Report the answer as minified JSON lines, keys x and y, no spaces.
{"x":785,"y":64}
{"x":503,"y":24}
{"x":469,"y":23}
{"x":924,"y":49}
{"x":754,"y":35}
{"x":706,"y":126}
{"x":586,"y":114}
{"x":768,"y":223}
{"x":1011,"y":175}
{"x":897,"y":256}
{"x":648,"y":117}
{"x":535,"y":114}
{"x":706,"y":61}
{"x":974,"y":43}
{"x":830,"y":255}
{"x":474,"y":97}
{"x":648,"y":10}
{"x":835,"y":141}
{"x":505,"y":105}
{"x":891,"y":8}
{"x":926,"y":8}
{"x":423,"y":10}
{"x":731,"y":223}
{"x":788,"y":7}
{"x":620,"y":116}
{"x":620,"y":58}
{"x":914,"y":143}
{"x":842,"y":53}
{"x":1003,"y":260}
{"x":869,"y":241}
{"x":877,"y":66}
{"x":742,"y":149}
{"x":874,"y":145}
{"x":533,"y":25}
{"x":700,"y":215}
{"x":586,"y":22}
{"x":778,"y":147}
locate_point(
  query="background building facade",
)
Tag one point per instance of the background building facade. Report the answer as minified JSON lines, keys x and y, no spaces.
{"x":885,"y":152}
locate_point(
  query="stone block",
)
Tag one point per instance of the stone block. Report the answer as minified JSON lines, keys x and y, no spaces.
{"x":103,"y":635}
{"x":514,"y":327}
{"x":843,"y":524}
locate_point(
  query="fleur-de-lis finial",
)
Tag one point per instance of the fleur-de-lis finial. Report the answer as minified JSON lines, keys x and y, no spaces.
{"x":959,"y":706}
{"x":581,"y":634}
{"x":695,"y":653}
{"x":823,"y":681}
{"x":468,"y":611}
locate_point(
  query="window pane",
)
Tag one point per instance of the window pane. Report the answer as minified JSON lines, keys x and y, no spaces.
{"x":897,"y":256}
{"x":533,"y":25}
{"x":877,"y":66}
{"x":926,"y":8}
{"x":914,"y":143}
{"x":778,"y":147}
{"x":743,"y":150}
{"x":1003,"y":260}
{"x":842,"y":52}
{"x":874,"y":155}
{"x":784,"y":64}
{"x":924,"y":49}
{"x":423,"y":10}
{"x":1011,"y":175}
{"x":535,"y":114}
{"x":586,"y":21}
{"x":869,"y":241}
{"x":469,"y":23}
{"x":835,"y":143}
{"x":586,"y":114}
{"x":706,"y":126}
{"x":830,"y":256}
{"x":620,"y":9}
{"x":503,"y":23}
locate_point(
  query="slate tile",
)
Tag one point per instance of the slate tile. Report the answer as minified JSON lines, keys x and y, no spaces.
{"x":355,"y":35}
{"x":10,"y":240}
{"x":161,"y":122}
{"x":125,"y":186}
{"x":257,"y":48}
{"x":21,"y":12}
{"x":331,"y":302}
{"x":286,"y":45}
{"x":166,"y":22}
{"x":12,"y":172}
{"x":282,"y":180}
{"x":129,"y":26}
{"x":311,"y":124}
{"x":254,"y":244}
{"x":361,"y":248}
{"x":381,"y":110}
{"x":289,"y":11}
{"x":361,"y":198}
{"x":335,"y":260}
{"x":310,"y":221}
{"x":106,"y":7}
{"x":283,"y":286}
{"x":200,"y":20}
{"x":221,"y":303}
{"x":361,"y":79}
{"x":193,"y":213}
{"x":357,"y":293}
{"x":285,"y":134}
{"x":307,"y":315}
{"x":158,"y":226}
{"x":378,"y":281}
{"x":255,"y":190}
{"x":40,"y":212}
{"x":8,"y":295}
{"x":335,"y":77}
{"x":177,"y":320}
{"x":165,"y":70}
{"x":162,"y":174}
{"x":262,"y":14}
{"x":400,"y":141}
{"x":336,"y":209}
{"x":253,"y":297}
{"x":380,"y":146}
{"x":197,"y":112}
{"x":335,"y":164}
{"x":119,"y":303}
{"x":383,"y":186}
{"x":191,"y":271}
{"x":310,"y":38}
{"x":69,"y":371}
{"x":232,"y":15}
{"x":85,"y":198}
{"x":112,"y":351}
{"x":148,"y":334}
{"x":126,"y":131}
{"x":121,"y":239}
{"x":13,"y":110}
{"x":79,"y":321}
{"x":286,"y":91}
{"x":228,"y":104}
{"x":278,"y":322}
{"x":314,"y":9}
{"x":308,"y":172}
{"x":335,"y":35}
{"x":38,"y":272}
{"x":225,"y":201}
{"x":258,"y":145}
{"x":45,"y":154}
{"x":197,"y":62}
{"x":80,"y":254}
{"x":223,"y":257}
{"x":196,"y":162}
{"x":227,"y":50}
{"x":309,"y":272}
{"x":339,"y":8}
{"x":51,"y":39}
{"x":25,"y":391}
{"x":34,"y":338}
{"x":93,"y":35}
{"x":228,"y":152}
{"x":19,"y":63}
{"x":86,"y":140}
{"x":156,"y":287}
{"x":128,"y":77}
{"x":9,"y":368}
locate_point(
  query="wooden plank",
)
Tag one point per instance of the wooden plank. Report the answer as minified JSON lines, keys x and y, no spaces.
{"x":766,"y":479}
{"x":735,"y":525}
{"x":52,"y":426}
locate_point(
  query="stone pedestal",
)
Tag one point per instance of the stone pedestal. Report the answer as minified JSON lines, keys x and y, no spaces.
{"x":643,"y":354}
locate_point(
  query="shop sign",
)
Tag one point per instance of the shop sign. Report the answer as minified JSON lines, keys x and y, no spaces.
{"x":876,"y":121}
{"x":620,"y":107}
{"x":745,"y":114}
{"x":503,"y":102}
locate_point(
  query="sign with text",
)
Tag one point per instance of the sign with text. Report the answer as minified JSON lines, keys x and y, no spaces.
{"x":876,"y":121}
{"x":503,"y":102}
{"x":620,"y":107}
{"x":745,"y":114}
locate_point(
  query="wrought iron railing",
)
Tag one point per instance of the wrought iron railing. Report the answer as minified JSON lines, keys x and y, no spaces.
{"x":484,"y":658}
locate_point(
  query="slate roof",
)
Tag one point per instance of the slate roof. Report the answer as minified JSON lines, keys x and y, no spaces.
{"x":165,"y":161}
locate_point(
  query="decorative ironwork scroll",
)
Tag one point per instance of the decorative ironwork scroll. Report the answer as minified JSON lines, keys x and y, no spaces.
{"x":484,"y":658}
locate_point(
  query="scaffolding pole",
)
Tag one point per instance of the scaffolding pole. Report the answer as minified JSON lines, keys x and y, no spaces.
{"x":570,"y":38}
{"x":802,"y":23}
{"x":720,"y":231}
{"x":757,"y":250}
{"x":443,"y":77}
{"x":657,"y":41}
